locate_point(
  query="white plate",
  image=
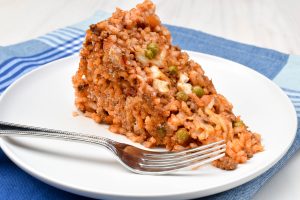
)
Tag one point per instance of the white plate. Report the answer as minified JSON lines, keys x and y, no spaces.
{"x":45,"y":98}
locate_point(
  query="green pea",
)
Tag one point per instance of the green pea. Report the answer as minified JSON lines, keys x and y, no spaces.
{"x":182,"y":96}
{"x":161,"y":131}
{"x":149,"y":54}
{"x":238,"y":123}
{"x":182,"y":135}
{"x":152,"y":50}
{"x":198,"y":91}
{"x":153,"y":47}
{"x":173,"y":70}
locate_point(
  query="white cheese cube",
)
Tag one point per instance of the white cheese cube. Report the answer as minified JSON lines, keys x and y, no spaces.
{"x":182,"y":84}
{"x":161,"y":86}
{"x":183,"y":78}
{"x":185,"y":87}
{"x":156,"y":73}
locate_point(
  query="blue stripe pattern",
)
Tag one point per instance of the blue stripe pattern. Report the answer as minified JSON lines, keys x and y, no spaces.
{"x":64,"y":42}
{"x":294,"y":96}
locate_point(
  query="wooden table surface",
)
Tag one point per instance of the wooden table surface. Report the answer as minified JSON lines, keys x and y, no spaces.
{"x":272,"y":24}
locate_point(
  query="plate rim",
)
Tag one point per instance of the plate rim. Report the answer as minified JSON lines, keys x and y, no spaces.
{"x":194,"y":194}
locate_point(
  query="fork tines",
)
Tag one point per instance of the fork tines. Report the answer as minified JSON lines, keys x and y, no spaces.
{"x":176,"y":160}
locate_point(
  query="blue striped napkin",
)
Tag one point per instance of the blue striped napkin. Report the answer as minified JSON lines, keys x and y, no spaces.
{"x":18,"y":59}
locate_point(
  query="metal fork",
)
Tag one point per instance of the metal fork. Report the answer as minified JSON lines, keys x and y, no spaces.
{"x":135,"y":159}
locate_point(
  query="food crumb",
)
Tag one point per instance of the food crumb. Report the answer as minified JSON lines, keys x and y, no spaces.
{"x":75,"y":113}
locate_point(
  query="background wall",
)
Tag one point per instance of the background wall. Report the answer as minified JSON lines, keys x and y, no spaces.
{"x":269,"y":23}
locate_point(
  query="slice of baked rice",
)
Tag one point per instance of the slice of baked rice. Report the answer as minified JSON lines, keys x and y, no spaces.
{"x":131,"y":77}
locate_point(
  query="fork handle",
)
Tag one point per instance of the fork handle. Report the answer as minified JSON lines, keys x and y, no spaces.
{"x":11,"y":129}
